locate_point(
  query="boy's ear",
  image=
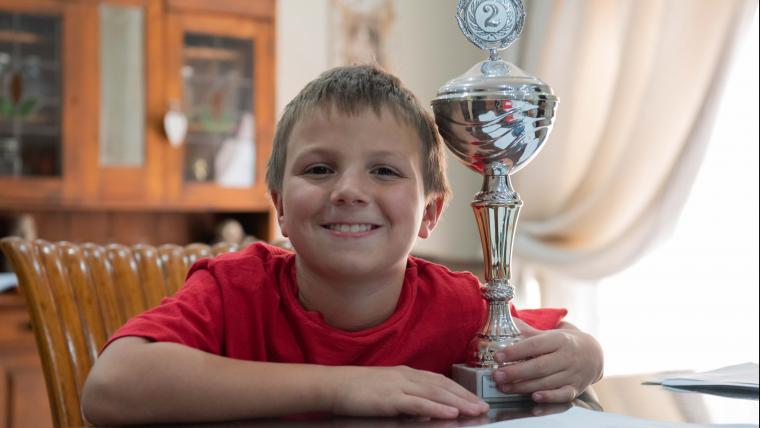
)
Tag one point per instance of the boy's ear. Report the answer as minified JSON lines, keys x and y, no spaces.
{"x":277,"y":201}
{"x":430,"y":217}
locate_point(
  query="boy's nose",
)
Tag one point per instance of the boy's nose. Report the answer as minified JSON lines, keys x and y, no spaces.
{"x":349,"y":190}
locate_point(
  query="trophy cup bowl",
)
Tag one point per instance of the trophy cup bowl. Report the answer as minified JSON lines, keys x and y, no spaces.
{"x":494,"y":118}
{"x":493,"y":121}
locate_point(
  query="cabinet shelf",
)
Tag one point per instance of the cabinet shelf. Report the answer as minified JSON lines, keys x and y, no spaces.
{"x":208,"y":53}
{"x":20,"y":37}
{"x":30,"y":130}
{"x":206,"y":79}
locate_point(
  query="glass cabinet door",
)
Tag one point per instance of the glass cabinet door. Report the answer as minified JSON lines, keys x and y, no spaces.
{"x":220,"y":89}
{"x":30,"y":94}
{"x":217,"y":98}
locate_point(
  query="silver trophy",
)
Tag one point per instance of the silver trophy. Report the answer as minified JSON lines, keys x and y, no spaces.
{"x":494,"y":118}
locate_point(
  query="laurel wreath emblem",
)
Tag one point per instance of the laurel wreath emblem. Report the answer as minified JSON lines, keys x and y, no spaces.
{"x":482,"y":32}
{"x":511,"y":11}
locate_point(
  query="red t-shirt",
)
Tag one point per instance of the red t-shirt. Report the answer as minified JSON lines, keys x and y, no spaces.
{"x":244,"y":305}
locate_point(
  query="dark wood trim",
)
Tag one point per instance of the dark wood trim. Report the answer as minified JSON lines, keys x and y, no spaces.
{"x":261,"y":9}
{"x":35,"y":6}
{"x":20,"y":189}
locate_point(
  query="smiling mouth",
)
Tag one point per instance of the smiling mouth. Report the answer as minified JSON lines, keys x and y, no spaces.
{"x":350,"y":228}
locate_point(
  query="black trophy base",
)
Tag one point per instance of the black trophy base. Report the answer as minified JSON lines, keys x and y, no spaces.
{"x":479,"y":382}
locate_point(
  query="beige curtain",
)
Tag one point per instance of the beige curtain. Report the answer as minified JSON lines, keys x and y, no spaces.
{"x":639,"y":82}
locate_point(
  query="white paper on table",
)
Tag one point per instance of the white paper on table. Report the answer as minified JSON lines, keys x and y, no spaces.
{"x":738,"y":379}
{"x":579,"y":417}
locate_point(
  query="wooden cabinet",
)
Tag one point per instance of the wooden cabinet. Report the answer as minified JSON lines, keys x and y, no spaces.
{"x":23,"y":397}
{"x":84,"y":87}
{"x":219,"y":70}
{"x":107,"y":72}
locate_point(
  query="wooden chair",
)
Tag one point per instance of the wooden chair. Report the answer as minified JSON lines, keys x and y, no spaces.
{"x":78,"y":295}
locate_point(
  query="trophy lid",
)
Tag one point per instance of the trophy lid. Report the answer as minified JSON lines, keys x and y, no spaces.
{"x":494,"y":79}
{"x":492,"y":25}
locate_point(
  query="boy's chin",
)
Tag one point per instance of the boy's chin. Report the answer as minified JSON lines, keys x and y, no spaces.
{"x":355,"y":265}
{"x":351,"y":268}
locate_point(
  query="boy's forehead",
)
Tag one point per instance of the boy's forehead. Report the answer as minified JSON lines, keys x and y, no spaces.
{"x":330,"y":111}
{"x":331,"y":118}
{"x":317,"y":131}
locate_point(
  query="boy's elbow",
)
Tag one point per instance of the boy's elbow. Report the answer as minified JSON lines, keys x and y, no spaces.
{"x":92,"y":407}
{"x":110,"y":385}
{"x":108,"y":392}
{"x":98,"y":399}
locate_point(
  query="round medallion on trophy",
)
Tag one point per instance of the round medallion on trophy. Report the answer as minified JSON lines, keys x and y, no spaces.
{"x":491,"y":24}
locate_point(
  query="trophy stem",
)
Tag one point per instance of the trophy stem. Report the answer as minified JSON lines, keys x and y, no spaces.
{"x":496,"y":209}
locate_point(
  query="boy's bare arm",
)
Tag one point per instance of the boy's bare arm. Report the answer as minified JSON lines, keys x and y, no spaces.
{"x":136,"y":381}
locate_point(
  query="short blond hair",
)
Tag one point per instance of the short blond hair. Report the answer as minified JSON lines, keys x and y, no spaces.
{"x":350,"y":90}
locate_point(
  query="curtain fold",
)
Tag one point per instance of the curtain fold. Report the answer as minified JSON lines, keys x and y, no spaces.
{"x":639,"y":82}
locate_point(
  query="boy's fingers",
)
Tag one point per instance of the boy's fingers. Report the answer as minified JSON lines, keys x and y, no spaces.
{"x":553,"y":381}
{"x":534,"y":368}
{"x":564,"y":394}
{"x":528,"y":348}
{"x":462,"y":392}
{"x":451,"y":386}
{"x":442,"y":390}
{"x":474,"y":405}
{"x":447,"y":397}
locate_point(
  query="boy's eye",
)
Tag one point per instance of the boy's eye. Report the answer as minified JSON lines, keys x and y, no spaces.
{"x":318,"y":170}
{"x":385,"y":171}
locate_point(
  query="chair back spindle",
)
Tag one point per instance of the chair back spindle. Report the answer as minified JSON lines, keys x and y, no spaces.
{"x":79,"y":294}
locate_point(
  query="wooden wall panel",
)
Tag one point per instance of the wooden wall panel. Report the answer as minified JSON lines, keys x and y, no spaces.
{"x":171,"y":228}
{"x":128,"y":227}
{"x":89,"y":227}
{"x":53,"y":226}
{"x":135,"y":227}
{"x":131,"y":228}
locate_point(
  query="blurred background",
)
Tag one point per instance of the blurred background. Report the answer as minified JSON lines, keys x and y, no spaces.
{"x":641,"y":212}
{"x":150,"y":121}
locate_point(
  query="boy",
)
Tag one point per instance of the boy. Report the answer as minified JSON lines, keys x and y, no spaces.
{"x":349,"y":324}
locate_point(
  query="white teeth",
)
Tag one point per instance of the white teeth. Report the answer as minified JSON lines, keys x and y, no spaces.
{"x":352,"y":228}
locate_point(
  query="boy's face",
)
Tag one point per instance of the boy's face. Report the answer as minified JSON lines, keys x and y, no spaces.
{"x":352,"y":200}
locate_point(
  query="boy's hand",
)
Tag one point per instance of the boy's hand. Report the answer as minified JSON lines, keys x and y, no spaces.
{"x":392,"y":391}
{"x":554,"y":366}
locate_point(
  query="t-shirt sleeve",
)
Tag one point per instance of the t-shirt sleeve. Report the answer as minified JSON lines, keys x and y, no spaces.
{"x":542,"y":319}
{"x":192,"y":317}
